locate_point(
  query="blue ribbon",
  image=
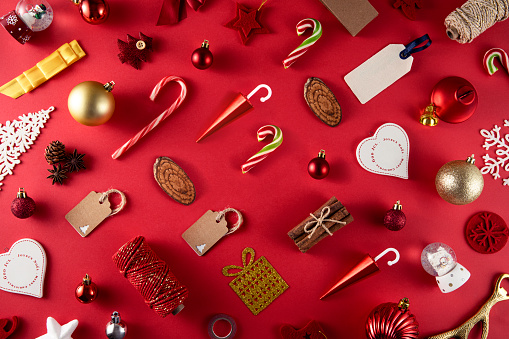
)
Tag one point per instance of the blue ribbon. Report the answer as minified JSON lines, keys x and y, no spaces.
{"x":412,"y":48}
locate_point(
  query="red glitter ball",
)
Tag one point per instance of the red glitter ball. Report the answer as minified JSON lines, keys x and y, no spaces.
{"x":395,"y":220}
{"x":23,"y":207}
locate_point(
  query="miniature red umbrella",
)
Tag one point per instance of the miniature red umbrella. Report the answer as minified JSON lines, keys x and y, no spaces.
{"x":238,"y":107}
{"x":366,"y":267}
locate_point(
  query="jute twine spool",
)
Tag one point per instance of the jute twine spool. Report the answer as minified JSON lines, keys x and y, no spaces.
{"x":466,"y":23}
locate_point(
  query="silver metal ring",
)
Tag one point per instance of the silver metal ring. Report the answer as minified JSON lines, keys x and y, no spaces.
{"x":227,"y":318}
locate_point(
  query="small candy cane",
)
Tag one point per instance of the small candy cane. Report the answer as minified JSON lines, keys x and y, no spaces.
{"x":490,"y":57}
{"x":304,"y":46}
{"x":160,"y":118}
{"x":264,"y":152}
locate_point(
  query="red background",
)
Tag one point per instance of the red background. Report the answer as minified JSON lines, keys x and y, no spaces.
{"x":276,"y":195}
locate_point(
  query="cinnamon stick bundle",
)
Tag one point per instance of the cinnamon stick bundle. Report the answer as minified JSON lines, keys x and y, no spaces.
{"x":337,"y":212}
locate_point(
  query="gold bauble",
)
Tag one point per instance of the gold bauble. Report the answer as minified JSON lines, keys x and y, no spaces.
{"x":459,"y":182}
{"x":91,"y":103}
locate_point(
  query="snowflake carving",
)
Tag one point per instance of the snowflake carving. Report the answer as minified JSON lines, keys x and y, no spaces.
{"x":493,"y":138}
{"x":488,"y":233}
{"x":12,"y":19}
{"x":17,"y":136}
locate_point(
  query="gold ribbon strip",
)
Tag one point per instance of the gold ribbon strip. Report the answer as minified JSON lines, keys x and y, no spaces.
{"x":44,"y":70}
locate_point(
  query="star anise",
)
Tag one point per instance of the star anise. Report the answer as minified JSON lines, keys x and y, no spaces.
{"x":57,"y":174}
{"x":74,"y":162}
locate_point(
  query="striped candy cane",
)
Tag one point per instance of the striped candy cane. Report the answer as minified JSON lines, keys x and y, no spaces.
{"x":302,"y":26}
{"x":160,"y":118}
{"x":264,"y":152}
{"x":490,"y":57}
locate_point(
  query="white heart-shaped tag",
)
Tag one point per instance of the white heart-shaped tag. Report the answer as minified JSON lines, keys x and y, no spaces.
{"x":23,"y":268}
{"x":386,"y":152}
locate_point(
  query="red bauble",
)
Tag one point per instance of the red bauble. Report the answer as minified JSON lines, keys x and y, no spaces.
{"x":86,"y":292}
{"x":23,"y":206}
{"x":455,"y":98}
{"x":318,"y":167}
{"x":395,"y":219}
{"x":94,"y":12}
{"x":202,"y":57}
{"x":392,"y":321}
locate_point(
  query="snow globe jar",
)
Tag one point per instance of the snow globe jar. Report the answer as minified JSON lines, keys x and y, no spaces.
{"x":30,"y":16}
{"x":439,"y":260}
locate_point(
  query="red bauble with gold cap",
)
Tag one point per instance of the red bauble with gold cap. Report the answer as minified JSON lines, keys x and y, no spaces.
{"x":86,"y":292}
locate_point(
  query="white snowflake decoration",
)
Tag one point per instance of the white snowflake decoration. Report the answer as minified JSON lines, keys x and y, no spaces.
{"x":17,"y":136}
{"x":493,"y":138}
{"x":12,"y":19}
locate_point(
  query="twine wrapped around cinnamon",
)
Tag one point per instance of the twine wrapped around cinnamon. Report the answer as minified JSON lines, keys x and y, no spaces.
{"x":329,"y":218}
{"x":151,"y":276}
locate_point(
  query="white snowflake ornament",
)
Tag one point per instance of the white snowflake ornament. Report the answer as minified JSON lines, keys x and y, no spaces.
{"x":493,"y":138}
{"x":17,"y":136}
{"x":12,"y":19}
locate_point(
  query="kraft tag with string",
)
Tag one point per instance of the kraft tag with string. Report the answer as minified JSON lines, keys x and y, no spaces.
{"x":91,"y":211}
{"x":209,"y":229}
{"x":384,"y":68}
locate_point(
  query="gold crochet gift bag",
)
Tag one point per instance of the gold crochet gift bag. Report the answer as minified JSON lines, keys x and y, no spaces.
{"x":257,"y":284}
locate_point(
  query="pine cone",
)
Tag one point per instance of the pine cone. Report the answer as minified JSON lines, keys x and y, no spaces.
{"x":55,"y":152}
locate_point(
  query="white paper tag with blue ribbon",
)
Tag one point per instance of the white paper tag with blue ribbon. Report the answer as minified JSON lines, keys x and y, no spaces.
{"x":384,"y":68}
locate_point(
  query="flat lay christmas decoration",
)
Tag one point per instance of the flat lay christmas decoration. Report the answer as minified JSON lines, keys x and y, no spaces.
{"x":312,"y":330}
{"x":17,"y":136}
{"x":459,"y":182}
{"x":386,"y":153}
{"x":116,"y":328}
{"x":409,"y":7}
{"x":257,"y":283}
{"x":394,"y":218}
{"x":229,"y":320}
{"x":466,"y":23}
{"x":166,"y":113}
{"x":74,"y":162}
{"x":202,"y":57}
{"x":22,"y":206}
{"x":57,"y":174}
{"x":86,"y":291}
{"x":500,"y":143}
{"x":363,"y":269}
{"x":151,"y":276}
{"x":322,"y":102}
{"x":94,"y":12}
{"x":55,"y":152}
{"x":92,"y":103}
{"x":57,"y":331}
{"x":173,"y":11}
{"x":318,"y":168}
{"x":262,"y":133}
{"x":482,"y":316}
{"x":8,"y":326}
{"x":239,"y":106}
{"x":302,"y":26}
{"x":24,"y":268}
{"x":439,"y":260}
{"x":489,"y":60}
{"x":384,"y":68}
{"x":26,"y":19}
{"x":487,"y":232}
{"x":134,"y":51}
{"x":329,"y":218}
{"x":247,"y":22}
{"x":44,"y":70}
{"x":174,"y":181}
{"x":353,"y":14}
{"x":392,"y":321}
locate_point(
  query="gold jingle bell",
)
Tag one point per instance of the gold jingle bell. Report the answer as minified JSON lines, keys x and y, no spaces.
{"x":429,"y":116}
{"x":91,"y":103}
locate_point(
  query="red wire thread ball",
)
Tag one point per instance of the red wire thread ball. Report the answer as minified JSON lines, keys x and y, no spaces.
{"x":392,"y":321}
{"x":151,"y":276}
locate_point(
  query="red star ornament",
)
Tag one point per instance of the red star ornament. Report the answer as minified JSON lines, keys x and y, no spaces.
{"x":134,"y":50}
{"x":313,"y":330}
{"x":408,"y":7}
{"x":247,"y":22}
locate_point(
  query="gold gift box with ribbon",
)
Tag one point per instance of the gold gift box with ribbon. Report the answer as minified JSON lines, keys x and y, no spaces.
{"x":44,"y":70}
{"x":257,"y":284}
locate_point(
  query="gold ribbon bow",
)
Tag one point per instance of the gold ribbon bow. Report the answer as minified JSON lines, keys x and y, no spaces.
{"x":245,"y":252}
{"x":319,"y":222}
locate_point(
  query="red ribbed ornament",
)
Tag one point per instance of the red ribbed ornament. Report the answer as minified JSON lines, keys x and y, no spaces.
{"x":392,"y":321}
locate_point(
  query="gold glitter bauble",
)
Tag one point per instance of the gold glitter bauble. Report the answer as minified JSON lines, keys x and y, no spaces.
{"x":91,"y":103}
{"x":459,"y":182}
